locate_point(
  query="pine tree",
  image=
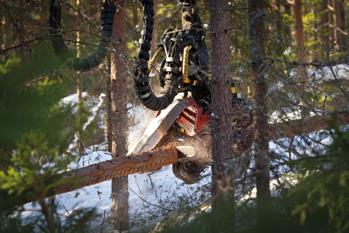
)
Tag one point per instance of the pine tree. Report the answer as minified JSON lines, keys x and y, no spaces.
{"x":256,"y":15}
{"x":222,"y":153}
{"x":118,"y":77}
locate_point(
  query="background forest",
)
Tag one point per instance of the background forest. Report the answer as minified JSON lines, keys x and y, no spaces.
{"x":67,"y":100}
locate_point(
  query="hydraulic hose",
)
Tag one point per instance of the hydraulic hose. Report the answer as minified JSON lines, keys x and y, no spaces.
{"x":141,"y":74}
{"x":96,"y":57}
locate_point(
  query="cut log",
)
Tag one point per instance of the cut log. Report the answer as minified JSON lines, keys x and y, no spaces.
{"x":96,"y":173}
{"x":151,"y":161}
{"x":120,"y":166}
{"x":301,"y":127}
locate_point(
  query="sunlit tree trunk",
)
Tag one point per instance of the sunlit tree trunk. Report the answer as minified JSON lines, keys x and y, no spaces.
{"x":288,"y":11}
{"x":347,"y":29}
{"x":222,"y":153}
{"x":257,"y":42}
{"x":119,"y":117}
{"x":324,"y":27}
{"x":332,"y":21}
{"x":135,"y":16}
{"x":299,"y":30}
{"x":340,"y":25}
{"x":256,"y":14}
{"x":108,"y":114}
{"x":279,"y":27}
{"x":78,"y":82}
{"x":21,"y":30}
{"x":300,"y":52}
{"x":3,"y":36}
{"x":155,"y":41}
{"x":78,"y":54}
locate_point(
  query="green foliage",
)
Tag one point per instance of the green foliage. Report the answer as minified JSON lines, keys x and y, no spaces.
{"x":30,"y":93}
{"x":36,"y":130}
{"x":325,"y":189}
{"x":32,"y":122}
{"x":10,"y":223}
{"x":33,"y":164}
{"x":78,"y":221}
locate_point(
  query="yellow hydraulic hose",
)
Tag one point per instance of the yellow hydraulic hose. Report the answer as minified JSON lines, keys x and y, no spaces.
{"x":185,"y":66}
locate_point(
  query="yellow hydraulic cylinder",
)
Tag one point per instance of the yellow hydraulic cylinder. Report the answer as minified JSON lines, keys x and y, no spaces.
{"x":185,"y":66}
{"x":152,"y":60}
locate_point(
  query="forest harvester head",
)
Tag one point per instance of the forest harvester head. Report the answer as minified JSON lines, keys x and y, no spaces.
{"x":183,"y":67}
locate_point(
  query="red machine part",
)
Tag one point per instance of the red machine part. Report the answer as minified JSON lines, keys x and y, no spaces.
{"x":193,"y":119}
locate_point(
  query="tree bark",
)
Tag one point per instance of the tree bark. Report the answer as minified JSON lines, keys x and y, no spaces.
{"x":256,"y":14}
{"x":47,"y":212}
{"x":222,"y":153}
{"x":100,"y":172}
{"x":340,"y":25}
{"x":119,"y":118}
{"x":155,"y":41}
{"x":299,"y":30}
{"x":3,"y":30}
{"x":135,"y":16}
{"x":324,"y":28}
{"x":300,"y":52}
{"x":79,"y":85}
{"x":3,"y":38}
{"x":288,"y":27}
{"x":22,"y":30}
{"x":108,"y":114}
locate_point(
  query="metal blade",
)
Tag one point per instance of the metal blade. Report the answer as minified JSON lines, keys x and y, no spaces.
{"x":159,"y":126}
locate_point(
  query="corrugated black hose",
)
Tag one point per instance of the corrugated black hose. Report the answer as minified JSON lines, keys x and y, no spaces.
{"x":141,"y":73}
{"x":108,"y":9}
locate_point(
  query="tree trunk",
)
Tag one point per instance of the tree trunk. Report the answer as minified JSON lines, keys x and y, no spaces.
{"x":155,"y":41}
{"x":119,"y":117}
{"x":78,"y":84}
{"x":279,"y":28}
{"x":332,"y":18}
{"x":21,"y":30}
{"x":288,"y":12}
{"x":47,"y":212}
{"x":3,"y":37}
{"x":340,"y":25}
{"x":222,"y":153}
{"x":300,"y":52}
{"x":78,"y":54}
{"x":3,"y":30}
{"x":256,"y":14}
{"x":347,"y":29}
{"x":299,"y":31}
{"x":135,"y":16}
{"x":108,"y":114}
{"x":324,"y":28}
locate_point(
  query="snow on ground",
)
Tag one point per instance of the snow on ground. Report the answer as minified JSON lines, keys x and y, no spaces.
{"x":73,"y":99}
{"x":329,"y":73}
{"x":151,"y":196}
{"x":290,"y":114}
{"x":92,"y":116}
